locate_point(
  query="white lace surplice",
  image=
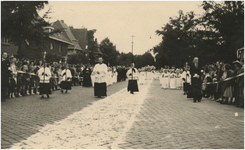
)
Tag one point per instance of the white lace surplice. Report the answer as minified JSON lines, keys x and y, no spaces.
{"x":100,"y":73}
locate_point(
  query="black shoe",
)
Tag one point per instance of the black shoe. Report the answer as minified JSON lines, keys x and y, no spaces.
{"x":99,"y":96}
{"x":47,"y":96}
{"x":42,"y":96}
{"x":61,"y":91}
{"x":199,"y":100}
{"x":131,"y":92}
{"x":66,"y":91}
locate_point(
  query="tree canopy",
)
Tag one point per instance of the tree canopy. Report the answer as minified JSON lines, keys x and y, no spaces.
{"x":110,"y":54}
{"x":20,"y":21}
{"x":214,"y":36}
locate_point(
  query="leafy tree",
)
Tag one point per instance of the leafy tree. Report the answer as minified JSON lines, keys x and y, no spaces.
{"x":215,"y":36}
{"x":227,"y":22}
{"x":110,"y":54}
{"x":178,"y":40}
{"x":78,"y":58}
{"x":144,"y":60}
{"x":92,"y":45}
{"x":20,"y":21}
{"x":125,"y":59}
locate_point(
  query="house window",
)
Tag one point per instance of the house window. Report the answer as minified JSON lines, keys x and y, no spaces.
{"x":51,"y":46}
{"x":5,"y":40}
{"x":59,"y":48}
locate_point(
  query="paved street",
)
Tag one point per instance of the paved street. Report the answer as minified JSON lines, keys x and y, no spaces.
{"x":169,"y":120}
{"x":24,"y":116}
{"x":151,"y":119}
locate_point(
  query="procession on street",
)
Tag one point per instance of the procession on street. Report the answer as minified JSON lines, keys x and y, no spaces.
{"x":122,"y":75}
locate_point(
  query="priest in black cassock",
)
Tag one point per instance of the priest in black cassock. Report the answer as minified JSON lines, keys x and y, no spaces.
{"x":196,"y":85}
{"x":133,"y":76}
{"x":87,"y":77}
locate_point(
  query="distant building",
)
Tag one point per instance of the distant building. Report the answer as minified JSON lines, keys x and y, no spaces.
{"x":81,"y":36}
{"x":56,"y":44}
{"x":75,"y":46}
{"x":8,"y":47}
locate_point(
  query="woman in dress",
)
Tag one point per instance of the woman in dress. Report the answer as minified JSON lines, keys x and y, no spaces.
{"x":229,"y":90}
{"x":44,"y":74}
{"x":26,"y":80}
{"x":19,"y":79}
{"x":66,"y":79}
{"x":32,"y":75}
{"x":13,"y":78}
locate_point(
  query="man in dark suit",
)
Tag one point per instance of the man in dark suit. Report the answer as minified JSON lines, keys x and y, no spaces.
{"x":196,"y":84}
{"x":5,"y":74}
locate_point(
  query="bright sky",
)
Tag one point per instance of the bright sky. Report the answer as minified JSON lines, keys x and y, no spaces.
{"x":119,"y":20}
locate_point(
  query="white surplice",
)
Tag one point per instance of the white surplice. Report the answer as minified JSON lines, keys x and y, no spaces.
{"x":100,"y":73}
{"x":132,"y":75}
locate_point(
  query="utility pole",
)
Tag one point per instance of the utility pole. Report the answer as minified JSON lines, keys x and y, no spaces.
{"x":132,"y":44}
{"x":132,"y":54}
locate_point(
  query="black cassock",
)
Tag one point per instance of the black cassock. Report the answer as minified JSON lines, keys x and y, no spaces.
{"x":133,"y":86}
{"x":196,"y":84}
{"x":87,"y":77}
{"x":132,"y":83}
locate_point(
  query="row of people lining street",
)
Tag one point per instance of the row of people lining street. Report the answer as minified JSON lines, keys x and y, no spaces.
{"x":21,"y":78}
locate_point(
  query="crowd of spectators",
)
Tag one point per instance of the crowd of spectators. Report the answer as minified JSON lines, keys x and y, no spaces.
{"x":19,"y":77}
{"x":224,"y":82}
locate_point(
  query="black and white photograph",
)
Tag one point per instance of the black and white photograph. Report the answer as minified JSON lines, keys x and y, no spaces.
{"x":122,"y":74}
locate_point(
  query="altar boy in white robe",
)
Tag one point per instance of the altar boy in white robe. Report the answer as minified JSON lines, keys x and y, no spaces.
{"x":44,"y":75}
{"x":66,"y":79}
{"x":186,"y":77}
{"x":133,"y":76}
{"x":100,"y":72}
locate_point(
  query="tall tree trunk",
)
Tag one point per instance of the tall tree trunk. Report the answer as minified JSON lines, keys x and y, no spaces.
{"x":19,"y":51}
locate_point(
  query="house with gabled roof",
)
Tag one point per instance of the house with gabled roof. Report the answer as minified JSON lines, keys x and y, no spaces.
{"x":81,"y":35}
{"x":55,"y":44}
{"x":75,"y":46}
